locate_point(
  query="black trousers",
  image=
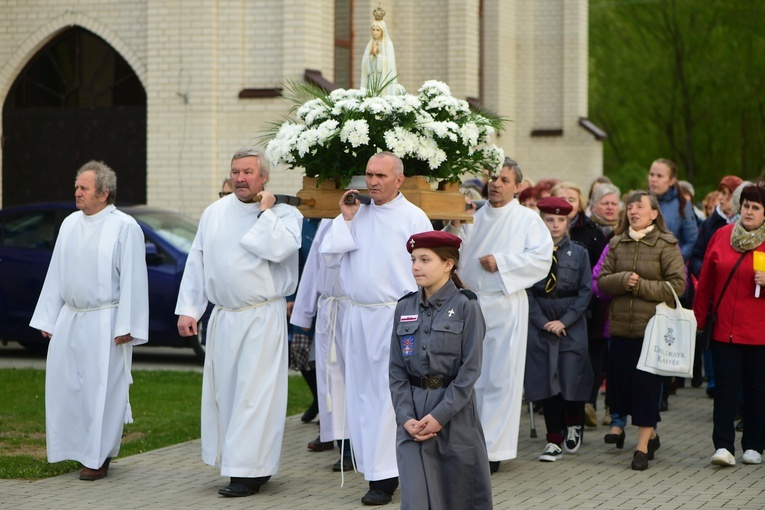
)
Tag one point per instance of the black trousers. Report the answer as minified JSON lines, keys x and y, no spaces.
{"x":739,"y":365}
{"x":560,"y":414}
{"x":598,"y":351}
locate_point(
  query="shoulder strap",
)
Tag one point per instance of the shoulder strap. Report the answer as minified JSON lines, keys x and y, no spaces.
{"x":730,"y":276}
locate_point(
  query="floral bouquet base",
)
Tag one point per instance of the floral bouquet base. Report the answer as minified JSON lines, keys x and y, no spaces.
{"x":320,"y":200}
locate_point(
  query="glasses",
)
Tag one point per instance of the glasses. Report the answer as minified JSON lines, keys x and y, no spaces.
{"x":222,"y":194}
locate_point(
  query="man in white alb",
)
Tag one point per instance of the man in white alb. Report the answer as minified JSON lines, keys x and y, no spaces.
{"x":321,"y":296}
{"x":94,"y":306}
{"x":505,"y":251}
{"x":244,"y":260}
{"x":367,"y":243}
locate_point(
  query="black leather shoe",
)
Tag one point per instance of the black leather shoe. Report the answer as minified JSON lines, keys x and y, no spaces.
{"x":653,"y":445}
{"x":376,"y":497}
{"x":317,"y":445}
{"x":344,"y":464}
{"x":310,"y":413}
{"x":639,"y":461}
{"x":617,"y":439}
{"x":238,"y":490}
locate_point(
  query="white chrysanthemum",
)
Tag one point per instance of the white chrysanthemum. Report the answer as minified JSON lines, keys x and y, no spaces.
{"x":406,"y":103}
{"x":376,"y":106}
{"x":307,"y":140}
{"x":279,"y":149}
{"x":326,"y":130}
{"x":435,"y":88}
{"x":345,"y":105}
{"x":428,"y":150}
{"x":470,"y":134}
{"x":355,"y":132}
{"x":312,"y":110}
{"x":451,"y":104}
{"x":446,"y":129}
{"x":401,"y":142}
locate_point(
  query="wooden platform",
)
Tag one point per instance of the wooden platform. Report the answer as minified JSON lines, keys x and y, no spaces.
{"x":321,"y":200}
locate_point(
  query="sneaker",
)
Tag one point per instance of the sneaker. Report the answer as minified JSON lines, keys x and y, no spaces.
{"x":573,"y":439}
{"x":752,"y":457}
{"x":552,"y":453}
{"x":590,"y":415}
{"x":723,"y":457}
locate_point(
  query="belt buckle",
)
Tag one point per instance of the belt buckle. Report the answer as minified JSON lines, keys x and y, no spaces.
{"x":434,"y":383}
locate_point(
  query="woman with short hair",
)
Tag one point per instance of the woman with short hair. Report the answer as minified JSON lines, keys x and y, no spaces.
{"x":738,"y":344}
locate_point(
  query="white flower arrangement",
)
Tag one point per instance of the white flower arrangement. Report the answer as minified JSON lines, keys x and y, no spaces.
{"x":334,"y":134}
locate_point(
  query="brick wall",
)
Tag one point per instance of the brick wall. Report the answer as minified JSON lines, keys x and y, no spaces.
{"x":193,"y":58}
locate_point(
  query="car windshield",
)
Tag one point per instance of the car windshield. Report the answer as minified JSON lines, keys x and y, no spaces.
{"x":174,"y":228}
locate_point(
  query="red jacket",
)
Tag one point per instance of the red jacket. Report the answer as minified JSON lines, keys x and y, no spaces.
{"x":741,"y":316}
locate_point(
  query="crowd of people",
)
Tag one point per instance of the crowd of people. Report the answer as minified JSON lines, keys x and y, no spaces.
{"x":424,"y":342}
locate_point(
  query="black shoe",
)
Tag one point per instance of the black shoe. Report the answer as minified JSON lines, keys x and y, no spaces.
{"x":710,"y":391}
{"x":663,"y":405}
{"x":317,"y":445}
{"x":653,"y":445}
{"x":639,"y":461}
{"x":238,"y":490}
{"x":376,"y":497}
{"x":344,"y":464}
{"x":617,"y":439}
{"x":310,"y":413}
{"x":493,"y":466}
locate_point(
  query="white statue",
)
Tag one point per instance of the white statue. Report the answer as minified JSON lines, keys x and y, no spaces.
{"x":378,"y":65}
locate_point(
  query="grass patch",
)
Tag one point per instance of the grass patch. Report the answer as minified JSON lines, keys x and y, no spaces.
{"x":166,"y":410}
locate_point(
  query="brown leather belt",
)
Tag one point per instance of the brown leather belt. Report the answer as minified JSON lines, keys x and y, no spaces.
{"x":432,"y":383}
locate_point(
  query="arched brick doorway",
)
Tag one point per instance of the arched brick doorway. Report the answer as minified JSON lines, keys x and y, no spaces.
{"x":77,"y":99}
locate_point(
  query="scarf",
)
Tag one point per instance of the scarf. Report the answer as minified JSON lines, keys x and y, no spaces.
{"x":743,"y":240}
{"x":607,"y":227}
{"x":637,"y":235}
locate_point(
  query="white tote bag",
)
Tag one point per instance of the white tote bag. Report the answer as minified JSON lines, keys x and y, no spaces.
{"x":669,"y":343}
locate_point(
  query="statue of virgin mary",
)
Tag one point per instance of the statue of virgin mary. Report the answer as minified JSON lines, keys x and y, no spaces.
{"x":378,"y":65}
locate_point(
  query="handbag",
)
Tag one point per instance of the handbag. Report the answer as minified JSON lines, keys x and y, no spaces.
{"x":706,"y":333}
{"x":669,"y":344}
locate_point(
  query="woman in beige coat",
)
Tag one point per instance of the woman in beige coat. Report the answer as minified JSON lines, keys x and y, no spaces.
{"x":642,"y":256}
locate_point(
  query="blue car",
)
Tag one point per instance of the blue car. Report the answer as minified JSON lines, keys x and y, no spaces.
{"x":27,"y":236}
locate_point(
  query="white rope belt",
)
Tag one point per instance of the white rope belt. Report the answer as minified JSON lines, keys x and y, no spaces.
{"x":125,"y":358}
{"x":210,"y":343}
{"x":334,"y":304}
{"x":94,"y":309}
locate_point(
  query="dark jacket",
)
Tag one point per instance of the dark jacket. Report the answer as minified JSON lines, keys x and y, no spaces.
{"x":707,"y":230}
{"x":560,"y":365}
{"x":656,"y":258}
{"x":585,"y":232}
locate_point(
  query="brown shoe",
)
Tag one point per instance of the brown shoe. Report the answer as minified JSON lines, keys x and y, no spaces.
{"x":96,"y":474}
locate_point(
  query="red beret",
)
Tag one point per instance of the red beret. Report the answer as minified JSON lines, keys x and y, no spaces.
{"x":554,"y":205}
{"x":433,"y":239}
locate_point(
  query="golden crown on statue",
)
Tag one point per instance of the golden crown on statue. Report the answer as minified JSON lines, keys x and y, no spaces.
{"x":378,"y":13}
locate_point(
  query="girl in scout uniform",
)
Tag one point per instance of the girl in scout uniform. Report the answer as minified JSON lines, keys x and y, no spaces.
{"x":435,"y":360}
